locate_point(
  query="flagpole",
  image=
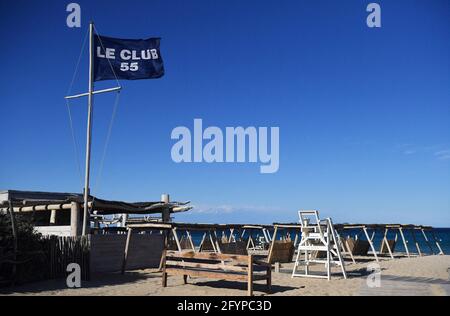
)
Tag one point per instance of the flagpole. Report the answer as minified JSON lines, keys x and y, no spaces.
{"x":86,"y":221}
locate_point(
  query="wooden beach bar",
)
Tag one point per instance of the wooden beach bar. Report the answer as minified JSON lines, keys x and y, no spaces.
{"x":59,"y":217}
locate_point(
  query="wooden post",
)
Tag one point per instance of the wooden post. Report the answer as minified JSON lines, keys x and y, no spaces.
{"x":349,"y":250}
{"x":231,"y":234}
{"x":86,"y":226}
{"x":218,"y":249}
{"x":296,"y":239}
{"x":428,"y":242}
{"x":127,"y":247}
{"x":385,"y":240}
{"x":250,"y":276}
{"x":248,"y":242}
{"x":337,"y":243}
{"x":200,"y":248}
{"x":175,"y":235}
{"x":274,"y":238}
{"x":15,"y":241}
{"x":190,"y":240}
{"x":165,"y":198}
{"x":266,"y":235}
{"x":413,"y":233}
{"x":373,"y":235}
{"x":371,"y":244}
{"x":166,"y":246}
{"x":328,"y":253}
{"x":75,"y":228}
{"x":437,"y":242}
{"x":164,"y":273}
{"x":53,"y":217}
{"x":404,"y":241}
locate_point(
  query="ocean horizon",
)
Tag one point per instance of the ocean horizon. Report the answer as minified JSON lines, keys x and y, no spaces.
{"x":442,"y":234}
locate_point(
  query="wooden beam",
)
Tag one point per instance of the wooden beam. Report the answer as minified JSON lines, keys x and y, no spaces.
{"x":211,"y":266}
{"x":416,"y":243}
{"x":349,"y":250}
{"x":328,"y":267}
{"x":274,"y":238}
{"x":127,"y":246}
{"x":15,"y":241}
{"x":296,"y":239}
{"x":200,"y":248}
{"x":191,"y":242}
{"x":75,"y":227}
{"x":175,"y":235}
{"x":371,"y":244}
{"x":250,"y":276}
{"x":437,"y":242}
{"x":400,"y":229}
{"x":427,"y":241}
{"x":230,"y":239}
{"x":385,"y":240}
{"x":164,"y":272}
{"x":53,"y":217}
{"x":241,"y":259}
{"x":47,"y":207}
{"x":165,"y":233}
{"x":156,"y":226}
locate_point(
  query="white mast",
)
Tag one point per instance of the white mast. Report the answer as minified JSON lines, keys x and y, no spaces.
{"x":86,"y":221}
{"x":89,"y":94}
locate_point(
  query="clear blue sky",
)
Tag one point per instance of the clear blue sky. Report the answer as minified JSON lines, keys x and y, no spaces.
{"x":364,"y":114}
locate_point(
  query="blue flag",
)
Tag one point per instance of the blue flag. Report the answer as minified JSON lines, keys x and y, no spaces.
{"x":127,"y":59}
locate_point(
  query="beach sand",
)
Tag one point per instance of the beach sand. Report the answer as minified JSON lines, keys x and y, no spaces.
{"x":403,"y":276}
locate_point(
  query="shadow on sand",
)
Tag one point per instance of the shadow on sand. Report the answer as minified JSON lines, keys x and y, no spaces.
{"x":415,"y":279}
{"x":243,"y":286}
{"x":97,"y":281}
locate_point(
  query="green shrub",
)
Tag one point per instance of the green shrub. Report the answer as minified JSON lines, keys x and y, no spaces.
{"x":31,"y":258}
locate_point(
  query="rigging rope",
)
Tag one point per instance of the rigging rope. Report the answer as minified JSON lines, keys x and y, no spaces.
{"x":109,"y":61}
{"x":108,"y":137}
{"x":111,"y":123}
{"x":75,"y":143}
{"x":69,"y":91}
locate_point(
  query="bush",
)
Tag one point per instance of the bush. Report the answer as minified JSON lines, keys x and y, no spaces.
{"x":31,"y":259}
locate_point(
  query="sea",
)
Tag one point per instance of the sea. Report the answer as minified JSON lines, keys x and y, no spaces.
{"x":442,"y":234}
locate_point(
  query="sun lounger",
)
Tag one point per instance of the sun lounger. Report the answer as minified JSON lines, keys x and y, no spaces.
{"x":358,"y":247}
{"x":281,"y":251}
{"x":384,"y":249}
{"x":233,"y":248}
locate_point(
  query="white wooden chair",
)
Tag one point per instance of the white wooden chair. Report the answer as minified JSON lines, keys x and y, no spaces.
{"x":318,"y":237}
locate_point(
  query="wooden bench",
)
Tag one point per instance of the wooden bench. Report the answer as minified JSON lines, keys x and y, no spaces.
{"x":215,"y":266}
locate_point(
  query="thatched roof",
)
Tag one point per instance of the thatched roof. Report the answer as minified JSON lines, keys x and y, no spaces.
{"x":33,"y":200}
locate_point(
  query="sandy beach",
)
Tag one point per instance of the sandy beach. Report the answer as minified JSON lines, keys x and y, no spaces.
{"x":403,"y":276}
